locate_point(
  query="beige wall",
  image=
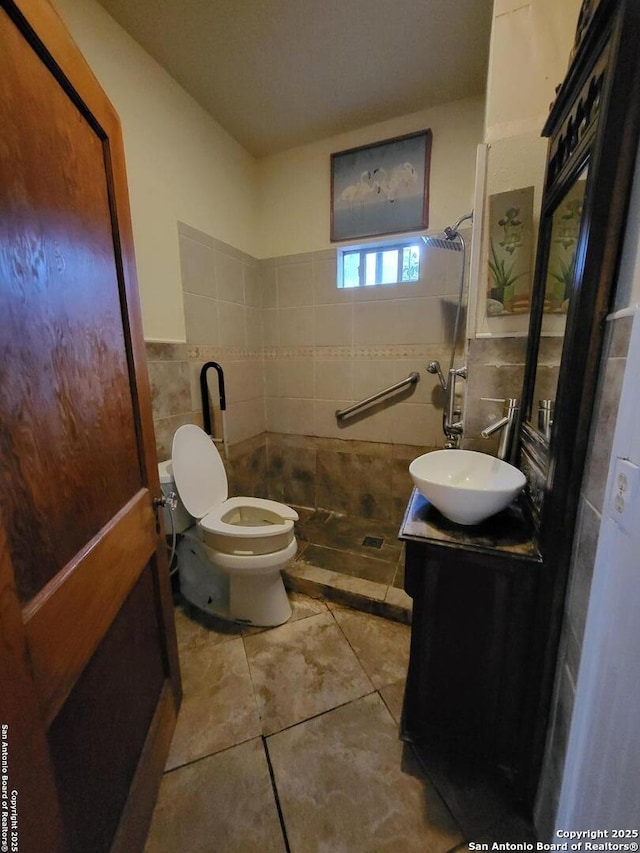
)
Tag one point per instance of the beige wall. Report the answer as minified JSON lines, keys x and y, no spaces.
{"x":181,"y":164}
{"x":529,"y":56}
{"x":530,"y":45}
{"x":294,"y":186}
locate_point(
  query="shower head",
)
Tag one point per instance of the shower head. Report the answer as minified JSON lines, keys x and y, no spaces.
{"x":448,"y":239}
{"x":439,"y":242}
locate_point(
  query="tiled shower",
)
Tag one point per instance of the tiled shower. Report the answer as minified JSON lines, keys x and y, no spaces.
{"x":295,"y":348}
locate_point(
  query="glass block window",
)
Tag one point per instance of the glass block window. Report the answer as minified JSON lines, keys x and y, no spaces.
{"x":379,"y":263}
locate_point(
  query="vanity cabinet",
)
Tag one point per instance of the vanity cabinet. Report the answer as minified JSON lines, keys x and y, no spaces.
{"x":474,"y":592}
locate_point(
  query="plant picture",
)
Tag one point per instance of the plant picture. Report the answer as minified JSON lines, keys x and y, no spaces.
{"x":565,"y":231}
{"x":510,"y":248}
{"x":381,"y":188}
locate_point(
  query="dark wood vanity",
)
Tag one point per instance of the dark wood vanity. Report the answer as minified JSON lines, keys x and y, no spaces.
{"x":473,"y":591}
{"x":489,"y":600}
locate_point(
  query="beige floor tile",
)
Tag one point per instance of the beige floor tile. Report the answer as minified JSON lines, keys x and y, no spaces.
{"x":393,"y":696}
{"x":218,"y":709}
{"x":382,"y":646}
{"x":347,"y":785}
{"x":194,"y":628}
{"x":301,"y":669}
{"x":222,"y":804}
{"x":304,"y":605}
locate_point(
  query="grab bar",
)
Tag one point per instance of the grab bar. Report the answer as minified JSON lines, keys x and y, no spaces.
{"x":204,"y":392}
{"x":411,"y":379}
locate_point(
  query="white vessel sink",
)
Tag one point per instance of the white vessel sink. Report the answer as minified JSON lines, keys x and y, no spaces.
{"x":466,"y":486}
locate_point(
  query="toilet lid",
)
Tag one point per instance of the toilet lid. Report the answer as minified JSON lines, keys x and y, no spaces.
{"x":198,"y":470}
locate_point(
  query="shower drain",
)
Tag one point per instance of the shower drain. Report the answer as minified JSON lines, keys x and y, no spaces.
{"x":373,"y":542}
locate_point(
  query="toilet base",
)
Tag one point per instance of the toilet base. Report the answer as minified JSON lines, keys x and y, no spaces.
{"x":272,"y":609}
{"x":259,"y":600}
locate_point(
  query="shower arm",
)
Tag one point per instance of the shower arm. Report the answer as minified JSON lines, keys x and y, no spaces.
{"x":452,"y":232}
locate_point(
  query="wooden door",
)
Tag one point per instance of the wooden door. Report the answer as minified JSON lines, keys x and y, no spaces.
{"x":90,"y":679}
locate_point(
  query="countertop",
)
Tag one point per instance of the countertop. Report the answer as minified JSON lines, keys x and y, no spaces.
{"x":508,"y":532}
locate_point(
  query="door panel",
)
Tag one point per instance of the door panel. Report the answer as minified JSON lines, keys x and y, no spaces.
{"x":67,"y":621}
{"x":67,"y":435}
{"x":29,"y":768}
{"x":85,"y":601}
{"x":95,"y":755}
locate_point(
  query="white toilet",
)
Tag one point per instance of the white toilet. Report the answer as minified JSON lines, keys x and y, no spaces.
{"x":230,"y":562}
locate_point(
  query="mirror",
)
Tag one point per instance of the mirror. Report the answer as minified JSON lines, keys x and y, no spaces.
{"x":593,"y":131}
{"x":559,"y":282}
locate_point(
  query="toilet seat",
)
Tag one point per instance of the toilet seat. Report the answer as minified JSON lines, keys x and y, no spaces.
{"x":244,"y":526}
{"x":251,"y":517}
{"x":243,"y":564}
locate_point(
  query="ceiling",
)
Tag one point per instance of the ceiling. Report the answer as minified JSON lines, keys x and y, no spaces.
{"x":281,"y":73}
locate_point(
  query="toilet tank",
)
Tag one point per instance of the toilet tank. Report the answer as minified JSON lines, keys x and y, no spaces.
{"x":182,"y":520}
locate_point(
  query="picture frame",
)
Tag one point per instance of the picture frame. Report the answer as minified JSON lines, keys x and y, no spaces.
{"x":381,"y":188}
{"x":510,"y":261}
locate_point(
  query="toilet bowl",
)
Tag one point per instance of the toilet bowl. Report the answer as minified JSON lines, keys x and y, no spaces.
{"x":230,"y":561}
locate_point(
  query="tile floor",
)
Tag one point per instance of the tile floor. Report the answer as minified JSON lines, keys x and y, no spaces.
{"x":287,"y":740}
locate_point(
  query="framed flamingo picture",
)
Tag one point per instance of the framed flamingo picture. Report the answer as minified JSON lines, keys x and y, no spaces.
{"x":381,"y":188}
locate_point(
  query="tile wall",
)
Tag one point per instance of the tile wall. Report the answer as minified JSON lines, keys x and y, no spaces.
{"x":360,"y":478}
{"x":222,"y":295}
{"x":175,"y":393}
{"x":326,"y":348}
{"x":582,"y":562}
{"x":294,"y":349}
{"x":175,"y":399}
{"x":496,"y":371}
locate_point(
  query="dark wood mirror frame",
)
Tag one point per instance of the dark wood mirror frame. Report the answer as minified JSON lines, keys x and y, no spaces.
{"x":594,"y":121}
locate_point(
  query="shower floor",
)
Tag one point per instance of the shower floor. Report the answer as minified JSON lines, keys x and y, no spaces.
{"x":358,"y":562}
